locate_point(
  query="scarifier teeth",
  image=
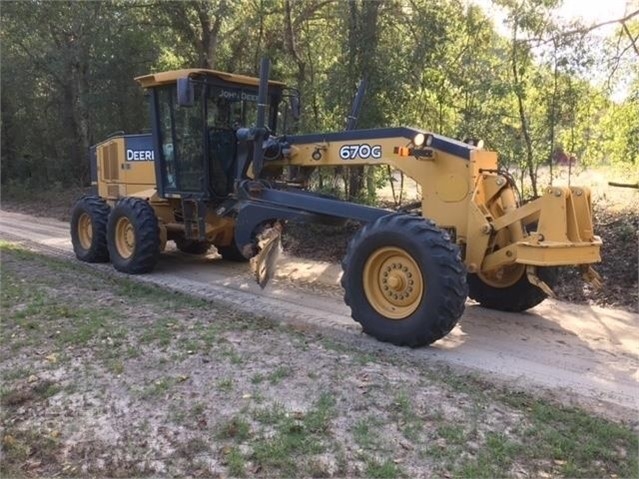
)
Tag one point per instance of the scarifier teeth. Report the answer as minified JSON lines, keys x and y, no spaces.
{"x":591,"y":276}
{"x":531,"y":273}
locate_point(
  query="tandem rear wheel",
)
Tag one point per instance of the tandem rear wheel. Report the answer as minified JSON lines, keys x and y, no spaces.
{"x":89,"y":229}
{"x":404,"y":280}
{"x":133,"y":237}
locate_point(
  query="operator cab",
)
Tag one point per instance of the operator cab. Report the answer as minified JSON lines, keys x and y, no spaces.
{"x":195,"y":114}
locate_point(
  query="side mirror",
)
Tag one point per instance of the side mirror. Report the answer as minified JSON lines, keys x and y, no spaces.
{"x":185,"y":92}
{"x":296,"y":106}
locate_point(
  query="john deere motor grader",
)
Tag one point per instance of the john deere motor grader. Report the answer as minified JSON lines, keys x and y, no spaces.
{"x":205,"y":176}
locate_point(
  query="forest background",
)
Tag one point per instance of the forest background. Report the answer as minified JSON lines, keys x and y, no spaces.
{"x":547,"y":94}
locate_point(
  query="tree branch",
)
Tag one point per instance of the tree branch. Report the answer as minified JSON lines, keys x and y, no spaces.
{"x":582,"y":31}
{"x":632,"y":40}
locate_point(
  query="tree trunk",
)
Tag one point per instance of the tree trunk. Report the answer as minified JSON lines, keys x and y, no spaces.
{"x":522,"y":117}
{"x":363,"y":34}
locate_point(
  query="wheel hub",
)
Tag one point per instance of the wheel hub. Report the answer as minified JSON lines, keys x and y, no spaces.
{"x":393,"y":282}
{"x":85,"y":231}
{"x":124,"y":238}
{"x":503,"y":277}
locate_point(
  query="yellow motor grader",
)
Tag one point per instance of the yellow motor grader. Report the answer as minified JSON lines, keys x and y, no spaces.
{"x":209,"y":174}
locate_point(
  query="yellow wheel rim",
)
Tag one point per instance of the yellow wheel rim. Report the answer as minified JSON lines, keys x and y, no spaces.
{"x":503,"y":277}
{"x":124,"y":238}
{"x":85,"y":230}
{"x":393,"y":282}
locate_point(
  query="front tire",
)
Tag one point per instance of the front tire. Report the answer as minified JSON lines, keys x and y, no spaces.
{"x":89,"y":229}
{"x":231,"y":253}
{"x":133,"y":236}
{"x":404,"y":280}
{"x":192,"y":246}
{"x":515,"y":294}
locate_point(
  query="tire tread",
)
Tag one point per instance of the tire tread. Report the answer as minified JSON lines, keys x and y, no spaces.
{"x":453,"y":280}
{"x":147,"y":239}
{"x":99,"y":211}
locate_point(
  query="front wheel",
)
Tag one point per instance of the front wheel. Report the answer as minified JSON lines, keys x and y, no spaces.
{"x":404,"y":280}
{"x":508,"y":288}
{"x":133,"y":236}
{"x":231,"y":253}
{"x":192,"y":246}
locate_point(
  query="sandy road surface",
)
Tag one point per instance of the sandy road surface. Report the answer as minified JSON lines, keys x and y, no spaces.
{"x":581,"y":353}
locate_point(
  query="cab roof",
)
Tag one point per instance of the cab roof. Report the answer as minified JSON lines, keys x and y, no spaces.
{"x":166,"y":78}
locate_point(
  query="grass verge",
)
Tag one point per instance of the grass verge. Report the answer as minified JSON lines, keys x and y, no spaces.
{"x":105,"y":376}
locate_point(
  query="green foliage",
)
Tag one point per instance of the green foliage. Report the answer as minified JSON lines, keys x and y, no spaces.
{"x":68,"y":69}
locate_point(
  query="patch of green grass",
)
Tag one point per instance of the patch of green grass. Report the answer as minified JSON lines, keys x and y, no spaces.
{"x":579,"y":442}
{"x":190,"y":345}
{"x":225,"y":384}
{"x":158,"y":388}
{"x":37,"y":308}
{"x":365,"y":432}
{"x":294,"y":438}
{"x":271,"y":414}
{"x":38,"y":391}
{"x":236,"y":463}
{"x":88,"y":327}
{"x":453,"y":433}
{"x":386,"y":469}
{"x":208,"y":336}
{"x":236,"y":428}
{"x":46,"y":389}
{"x":279,"y":374}
{"x":493,"y":460}
{"x":318,"y":419}
{"x":257,"y":378}
{"x":365,"y":358}
{"x":282,"y":452}
{"x":116,"y":366}
{"x":409,"y":422}
{"x":18,"y":446}
{"x":228,"y":351}
{"x":17,"y":373}
{"x":159,"y":333}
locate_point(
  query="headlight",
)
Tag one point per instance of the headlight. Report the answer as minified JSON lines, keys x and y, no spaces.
{"x":418,"y":139}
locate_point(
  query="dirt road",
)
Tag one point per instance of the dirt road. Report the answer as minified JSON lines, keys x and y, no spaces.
{"x":580,"y":353}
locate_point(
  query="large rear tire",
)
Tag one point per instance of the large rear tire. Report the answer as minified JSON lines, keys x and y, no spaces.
{"x":404,"y":280}
{"x":89,"y":229}
{"x":133,"y":236}
{"x":512,"y":291}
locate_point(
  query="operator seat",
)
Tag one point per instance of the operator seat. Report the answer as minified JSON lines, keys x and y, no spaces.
{"x":222,"y":153}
